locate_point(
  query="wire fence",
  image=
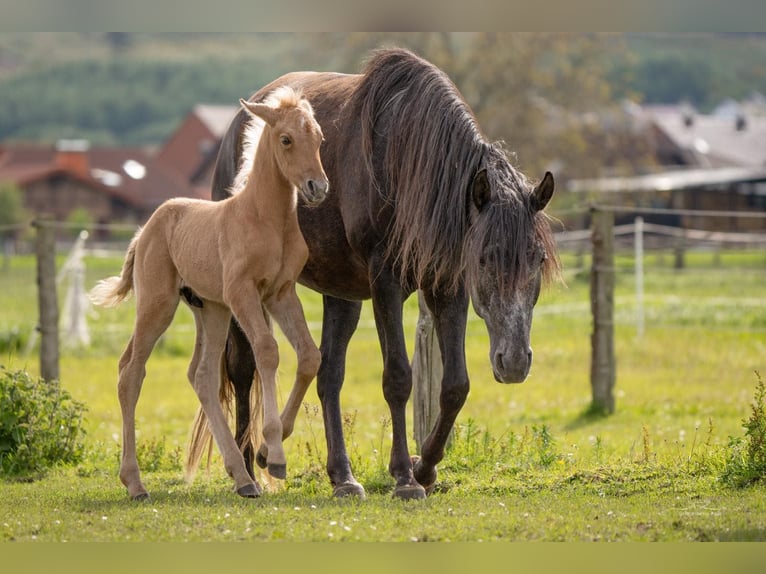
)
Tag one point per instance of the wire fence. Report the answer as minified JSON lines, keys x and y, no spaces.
{"x":668,"y":277}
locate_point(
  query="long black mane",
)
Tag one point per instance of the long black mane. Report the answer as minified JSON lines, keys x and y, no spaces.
{"x":423,"y":147}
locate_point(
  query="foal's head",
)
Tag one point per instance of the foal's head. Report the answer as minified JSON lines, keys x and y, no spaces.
{"x":295,"y":139}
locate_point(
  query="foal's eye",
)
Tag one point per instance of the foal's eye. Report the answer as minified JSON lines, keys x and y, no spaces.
{"x":285,"y":140}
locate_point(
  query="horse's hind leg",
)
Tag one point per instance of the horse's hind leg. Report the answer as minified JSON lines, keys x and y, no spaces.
{"x":152,"y":319}
{"x":287,"y":311}
{"x":213,"y":328}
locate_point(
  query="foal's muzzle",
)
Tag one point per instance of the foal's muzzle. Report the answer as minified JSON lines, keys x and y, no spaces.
{"x":314,"y":191}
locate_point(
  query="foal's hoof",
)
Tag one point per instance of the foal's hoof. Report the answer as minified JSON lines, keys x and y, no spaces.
{"x":409,"y":492}
{"x":277,"y":470}
{"x":251,"y":490}
{"x":260,"y":459}
{"x":349,"y":489}
{"x":428,"y":482}
{"x":141,"y":497}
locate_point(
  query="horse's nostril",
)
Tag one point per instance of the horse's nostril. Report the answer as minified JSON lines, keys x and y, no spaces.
{"x":311,"y":186}
{"x":499,"y":362}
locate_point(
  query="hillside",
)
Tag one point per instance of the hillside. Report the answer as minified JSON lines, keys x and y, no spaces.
{"x":133,"y":89}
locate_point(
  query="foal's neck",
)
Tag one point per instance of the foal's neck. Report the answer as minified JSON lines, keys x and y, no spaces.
{"x":268,"y":194}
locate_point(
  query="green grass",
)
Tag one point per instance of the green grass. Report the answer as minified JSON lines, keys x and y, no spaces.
{"x":527,"y":461}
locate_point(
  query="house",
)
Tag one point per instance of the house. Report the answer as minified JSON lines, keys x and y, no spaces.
{"x":118,"y":184}
{"x":113,"y":184}
{"x":708,"y":162}
{"x":192,"y":149}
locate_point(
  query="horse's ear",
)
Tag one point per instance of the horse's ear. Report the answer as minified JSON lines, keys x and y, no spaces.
{"x":480,"y":191}
{"x":266,"y":113}
{"x":543,"y":192}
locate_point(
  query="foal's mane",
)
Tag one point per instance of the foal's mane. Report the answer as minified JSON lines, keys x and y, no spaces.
{"x":431,"y":148}
{"x":281,"y":97}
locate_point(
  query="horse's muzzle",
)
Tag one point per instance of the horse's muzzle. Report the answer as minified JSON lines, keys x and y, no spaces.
{"x":314,"y":191}
{"x":512,"y":369}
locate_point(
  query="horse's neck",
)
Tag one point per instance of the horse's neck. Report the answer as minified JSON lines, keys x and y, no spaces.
{"x":268,"y":194}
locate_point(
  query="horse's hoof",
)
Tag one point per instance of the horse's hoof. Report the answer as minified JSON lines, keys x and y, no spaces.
{"x":260,"y":460}
{"x":349,"y":489}
{"x":429,"y":482}
{"x":277,"y":470}
{"x":409,"y":492}
{"x":251,"y":490}
{"x":141,"y":497}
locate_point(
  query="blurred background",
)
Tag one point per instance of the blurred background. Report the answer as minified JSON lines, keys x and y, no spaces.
{"x":122,"y":121}
{"x":98,"y":129}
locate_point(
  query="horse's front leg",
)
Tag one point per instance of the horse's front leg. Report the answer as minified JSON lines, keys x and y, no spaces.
{"x":339,"y":321}
{"x":247,"y":309}
{"x":387,"y":301}
{"x":449,"y":313}
{"x":287,"y":311}
{"x":213,"y":327}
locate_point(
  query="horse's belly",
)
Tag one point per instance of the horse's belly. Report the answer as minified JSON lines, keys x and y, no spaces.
{"x":340,"y":283}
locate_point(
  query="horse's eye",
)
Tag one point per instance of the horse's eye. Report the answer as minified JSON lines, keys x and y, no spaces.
{"x":285,"y":140}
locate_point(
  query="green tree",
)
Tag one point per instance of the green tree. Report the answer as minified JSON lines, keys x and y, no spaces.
{"x":12,"y":211}
{"x":546,"y":95}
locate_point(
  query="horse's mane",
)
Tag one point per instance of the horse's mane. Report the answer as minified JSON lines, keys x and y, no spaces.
{"x":430,"y":149}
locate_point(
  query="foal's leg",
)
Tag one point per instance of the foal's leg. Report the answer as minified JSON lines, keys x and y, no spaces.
{"x":213,"y":326}
{"x":248,"y":311}
{"x":288,"y":313}
{"x":153,"y":316}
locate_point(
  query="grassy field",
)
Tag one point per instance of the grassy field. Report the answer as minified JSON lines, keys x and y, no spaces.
{"x":527,"y":462}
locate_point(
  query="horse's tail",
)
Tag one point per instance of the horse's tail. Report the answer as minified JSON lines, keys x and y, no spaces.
{"x":112,"y":291}
{"x":201,"y":439}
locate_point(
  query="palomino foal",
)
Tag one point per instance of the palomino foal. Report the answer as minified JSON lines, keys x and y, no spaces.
{"x":239,"y":257}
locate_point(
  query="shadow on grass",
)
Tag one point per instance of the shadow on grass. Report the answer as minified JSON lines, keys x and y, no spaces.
{"x":591,"y":415}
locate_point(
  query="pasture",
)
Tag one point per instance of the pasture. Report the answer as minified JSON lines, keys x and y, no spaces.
{"x":527,"y":461}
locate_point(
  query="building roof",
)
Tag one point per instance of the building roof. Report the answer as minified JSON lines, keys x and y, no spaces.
{"x":712,"y":140}
{"x":129,"y":174}
{"x":672,"y":180}
{"x":216,"y":118}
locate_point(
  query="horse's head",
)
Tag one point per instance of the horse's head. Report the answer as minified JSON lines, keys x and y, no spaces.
{"x":295,"y":139}
{"x":509,"y":254}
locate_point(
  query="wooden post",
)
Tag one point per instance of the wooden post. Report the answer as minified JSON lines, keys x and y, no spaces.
{"x":426,"y":374}
{"x":639,"y":267}
{"x":602,"y":370}
{"x":47,"y":298}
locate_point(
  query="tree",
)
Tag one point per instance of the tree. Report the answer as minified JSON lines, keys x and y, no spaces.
{"x":546,"y":95}
{"x":12,"y":212}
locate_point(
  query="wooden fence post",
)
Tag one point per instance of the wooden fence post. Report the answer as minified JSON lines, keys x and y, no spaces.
{"x":426,"y":374}
{"x":47,"y":299}
{"x":602,"y":370}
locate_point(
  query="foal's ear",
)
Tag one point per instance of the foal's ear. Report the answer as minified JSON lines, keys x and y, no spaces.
{"x":266,"y":113}
{"x":480,"y":191}
{"x":543,"y":192}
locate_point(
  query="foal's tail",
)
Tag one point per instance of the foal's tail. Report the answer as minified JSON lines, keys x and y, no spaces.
{"x":112,"y":291}
{"x":201,"y":439}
